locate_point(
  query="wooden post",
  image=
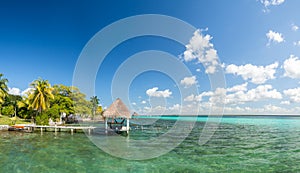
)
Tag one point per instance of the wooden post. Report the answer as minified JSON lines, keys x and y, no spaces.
{"x":127,"y":128}
{"x":105,"y":123}
{"x":72,"y":131}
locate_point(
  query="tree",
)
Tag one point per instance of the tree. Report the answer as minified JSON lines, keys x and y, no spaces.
{"x":12,"y":101}
{"x":39,"y":99}
{"x":3,"y":90}
{"x":62,"y":100}
{"x":82,"y":107}
{"x":24,"y":110}
{"x":95,"y":101}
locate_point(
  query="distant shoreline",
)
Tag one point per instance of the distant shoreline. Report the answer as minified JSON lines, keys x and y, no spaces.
{"x":273,"y":115}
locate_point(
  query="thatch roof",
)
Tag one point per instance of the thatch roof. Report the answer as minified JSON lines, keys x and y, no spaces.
{"x":117,"y":109}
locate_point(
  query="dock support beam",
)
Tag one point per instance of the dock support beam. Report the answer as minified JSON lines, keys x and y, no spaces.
{"x":127,"y":127}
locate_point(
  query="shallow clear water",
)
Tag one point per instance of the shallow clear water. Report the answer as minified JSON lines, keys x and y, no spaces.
{"x":240,"y":144}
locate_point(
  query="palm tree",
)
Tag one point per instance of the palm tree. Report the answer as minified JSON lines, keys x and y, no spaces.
{"x":95,"y":101}
{"x":39,"y":99}
{"x":3,"y":88}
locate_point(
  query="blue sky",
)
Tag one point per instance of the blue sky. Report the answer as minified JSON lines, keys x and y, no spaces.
{"x":257,"y":43}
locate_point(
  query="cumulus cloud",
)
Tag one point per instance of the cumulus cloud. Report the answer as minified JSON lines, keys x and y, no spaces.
{"x":261,"y":92}
{"x":296,"y":43}
{"x":175,"y":107}
{"x":292,"y":67}
{"x":267,"y":3}
{"x":293,"y":94}
{"x":18,"y":91}
{"x":236,"y":88}
{"x":199,"y":97}
{"x":201,"y":49}
{"x":256,"y":74}
{"x":188,"y":81}
{"x":157,"y":110}
{"x":192,"y":97}
{"x":143,"y":102}
{"x":133,"y":103}
{"x":285,"y":102}
{"x":153,"y":92}
{"x":275,"y":37}
{"x":295,"y":27}
{"x":14,"y":91}
{"x":27,"y":91}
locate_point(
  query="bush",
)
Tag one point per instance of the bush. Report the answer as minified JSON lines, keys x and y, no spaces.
{"x":8,"y":110}
{"x":42,"y":119}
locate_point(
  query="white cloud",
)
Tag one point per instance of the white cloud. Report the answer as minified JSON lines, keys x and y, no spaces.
{"x":143,"y":102}
{"x":201,"y":49}
{"x":133,"y":103}
{"x":296,"y":43}
{"x":198,"y":70}
{"x":242,"y":87}
{"x":256,"y":74}
{"x":192,"y":97}
{"x":197,"y":98}
{"x":14,"y":91}
{"x":293,"y":94}
{"x":188,"y":81}
{"x":285,"y":102}
{"x":17,"y":91}
{"x":274,"y":37}
{"x":274,"y":109}
{"x":158,"y":110}
{"x":267,"y":3}
{"x":295,"y":27}
{"x":292,"y":67}
{"x":153,"y":92}
{"x":218,"y":97}
{"x":27,"y":91}
{"x":175,"y":107}
{"x":259,"y":93}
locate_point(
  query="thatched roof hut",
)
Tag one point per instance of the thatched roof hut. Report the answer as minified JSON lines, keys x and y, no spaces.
{"x":117,"y":110}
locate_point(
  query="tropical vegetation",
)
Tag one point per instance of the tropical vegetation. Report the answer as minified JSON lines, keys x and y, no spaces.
{"x":43,"y":102}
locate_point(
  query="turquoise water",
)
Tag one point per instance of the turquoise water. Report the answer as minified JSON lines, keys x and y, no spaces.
{"x":240,"y":144}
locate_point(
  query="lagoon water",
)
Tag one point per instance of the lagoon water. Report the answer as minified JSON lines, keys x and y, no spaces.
{"x":240,"y":144}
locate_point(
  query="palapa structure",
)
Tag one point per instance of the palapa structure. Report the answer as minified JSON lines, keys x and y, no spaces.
{"x":117,"y":110}
{"x":135,"y":114}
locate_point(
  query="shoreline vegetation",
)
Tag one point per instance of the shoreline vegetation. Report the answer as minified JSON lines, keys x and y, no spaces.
{"x":59,"y":104}
{"x":43,"y":104}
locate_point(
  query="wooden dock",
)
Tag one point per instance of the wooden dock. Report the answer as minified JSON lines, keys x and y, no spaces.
{"x":57,"y":128}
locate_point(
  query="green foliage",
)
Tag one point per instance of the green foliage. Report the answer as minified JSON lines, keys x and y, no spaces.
{"x":24,"y":110}
{"x":3,"y":88}
{"x":44,"y":102}
{"x":8,"y":110}
{"x":42,"y":119}
{"x":39,"y":99}
{"x":53,"y":112}
{"x":81,"y":105}
{"x":99,"y":110}
{"x":6,"y":120}
{"x":62,"y":99}
{"x":94,"y":103}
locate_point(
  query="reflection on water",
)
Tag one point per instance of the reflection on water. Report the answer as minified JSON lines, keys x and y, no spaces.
{"x":252,"y":144}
